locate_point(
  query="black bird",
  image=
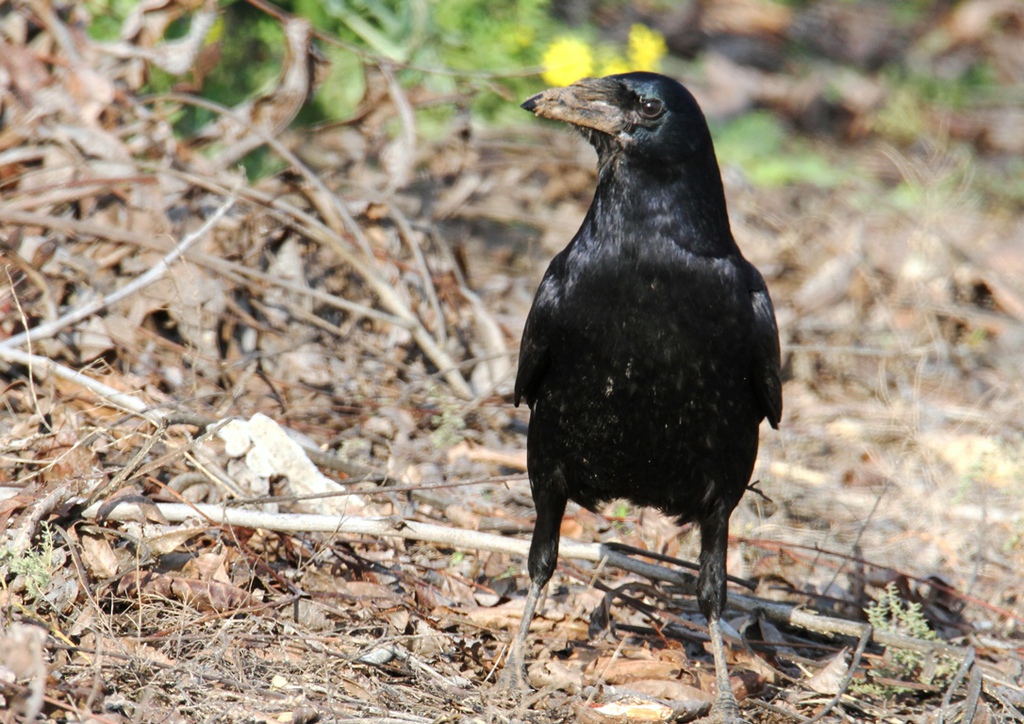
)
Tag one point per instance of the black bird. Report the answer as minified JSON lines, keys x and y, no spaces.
{"x":651,"y":353}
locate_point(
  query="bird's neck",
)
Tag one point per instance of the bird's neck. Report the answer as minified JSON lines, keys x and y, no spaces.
{"x":682,"y":204}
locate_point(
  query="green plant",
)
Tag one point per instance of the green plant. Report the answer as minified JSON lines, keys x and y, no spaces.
{"x":35,"y":565}
{"x":463,"y":40}
{"x":448,"y":426}
{"x":892,"y":614}
{"x":458,"y":45}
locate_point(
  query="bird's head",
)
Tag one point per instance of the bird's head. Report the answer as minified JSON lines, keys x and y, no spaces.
{"x":645,"y":116}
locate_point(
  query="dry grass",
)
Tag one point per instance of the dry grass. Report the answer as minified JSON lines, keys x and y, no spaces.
{"x":379,"y":321}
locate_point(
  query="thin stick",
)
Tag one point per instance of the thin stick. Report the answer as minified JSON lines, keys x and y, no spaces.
{"x":394,"y":527}
{"x":406,"y":231}
{"x":858,"y":654}
{"x":974,"y":685}
{"x":408,"y":135}
{"x":965,"y":666}
{"x":786,"y":614}
{"x":792,"y":615}
{"x":115,"y":398}
{"x":49,"y":329}
{"x":328,"y":234}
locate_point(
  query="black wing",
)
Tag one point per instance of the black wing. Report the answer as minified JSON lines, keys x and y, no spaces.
{"x":535,"y":349}
{"x":767,"y":383}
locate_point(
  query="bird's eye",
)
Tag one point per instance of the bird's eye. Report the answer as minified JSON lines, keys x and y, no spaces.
{"x":651,"y":107}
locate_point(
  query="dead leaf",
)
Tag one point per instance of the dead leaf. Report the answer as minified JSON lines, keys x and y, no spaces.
{"x":505,"y":616}
{"x":92,"y":339}
{"x":512,"y":459}
{"x":139,"y":649}
{"x":162,"y":540}
{"x":144,"y":510}
{"x":312,"y":615}
{"x":99,"y":557}
{"x":622,"y":671}
{"x":144,"y":585}
{"x":92,"y":92}
{"x":631,"y":709}
{"x":21,"y":651}
{"x":211,"y":595}
{"x":11,"y":505}
{"x":829,"y":284}
{"x":556,"y":675}
{"x":828,"y":678}
{"x":462,"y":517}
{"x":743,"y":682}
{"x":203,"y":595}
{"x":369,"y":589}
{"x":671,"y":690}
{"x":494,"y":373}
{"x":207,"y":567}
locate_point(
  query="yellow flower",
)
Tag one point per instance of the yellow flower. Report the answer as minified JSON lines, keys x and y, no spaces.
{"x":567,"y":60}
{"x":614,"y":65}
{"x":646,"y":48}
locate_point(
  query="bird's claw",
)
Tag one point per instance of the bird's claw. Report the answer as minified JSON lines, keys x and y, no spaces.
{"x":725,"y":711}
{"x":510,"y":689}
{"x":720,"y":717}
{"x":511,"y":680}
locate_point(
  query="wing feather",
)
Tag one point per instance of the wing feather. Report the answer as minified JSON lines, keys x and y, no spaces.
{"x":767,"y":358}
{"x":535,"y":348}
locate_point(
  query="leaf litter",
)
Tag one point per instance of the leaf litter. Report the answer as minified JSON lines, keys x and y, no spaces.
{"x":338,"y":340}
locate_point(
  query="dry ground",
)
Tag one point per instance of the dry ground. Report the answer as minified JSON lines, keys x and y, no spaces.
{"x":369,"y":300}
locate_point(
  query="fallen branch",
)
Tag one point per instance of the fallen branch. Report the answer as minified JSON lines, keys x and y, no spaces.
{"x":113,"y":398}
{"x":799,"y":617}
{"x":787,"y":614}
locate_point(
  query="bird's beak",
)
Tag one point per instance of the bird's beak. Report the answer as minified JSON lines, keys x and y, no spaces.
{"x":589,"y":103}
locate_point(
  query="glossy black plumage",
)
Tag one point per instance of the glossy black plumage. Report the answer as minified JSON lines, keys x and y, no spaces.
{"x":651,"y":354}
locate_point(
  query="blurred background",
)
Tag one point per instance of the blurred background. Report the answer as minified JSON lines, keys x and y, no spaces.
{"x":909,"y":74}
{"x":335,"y":214}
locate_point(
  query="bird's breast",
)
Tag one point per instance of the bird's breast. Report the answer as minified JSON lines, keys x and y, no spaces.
{"x":649,"y":382}
{"x":650,"y":313}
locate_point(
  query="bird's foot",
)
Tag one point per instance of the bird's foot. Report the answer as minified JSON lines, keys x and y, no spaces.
{"x":511,"y":685}
{"x":725,"y":711}
{"x":512,"y":680}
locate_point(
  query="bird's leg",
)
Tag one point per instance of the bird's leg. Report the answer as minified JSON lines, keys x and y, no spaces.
{"x":725,"y":709}
{"x":512,"y":678}
{"x":543,"y":557}
{"x":714,"y":540}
